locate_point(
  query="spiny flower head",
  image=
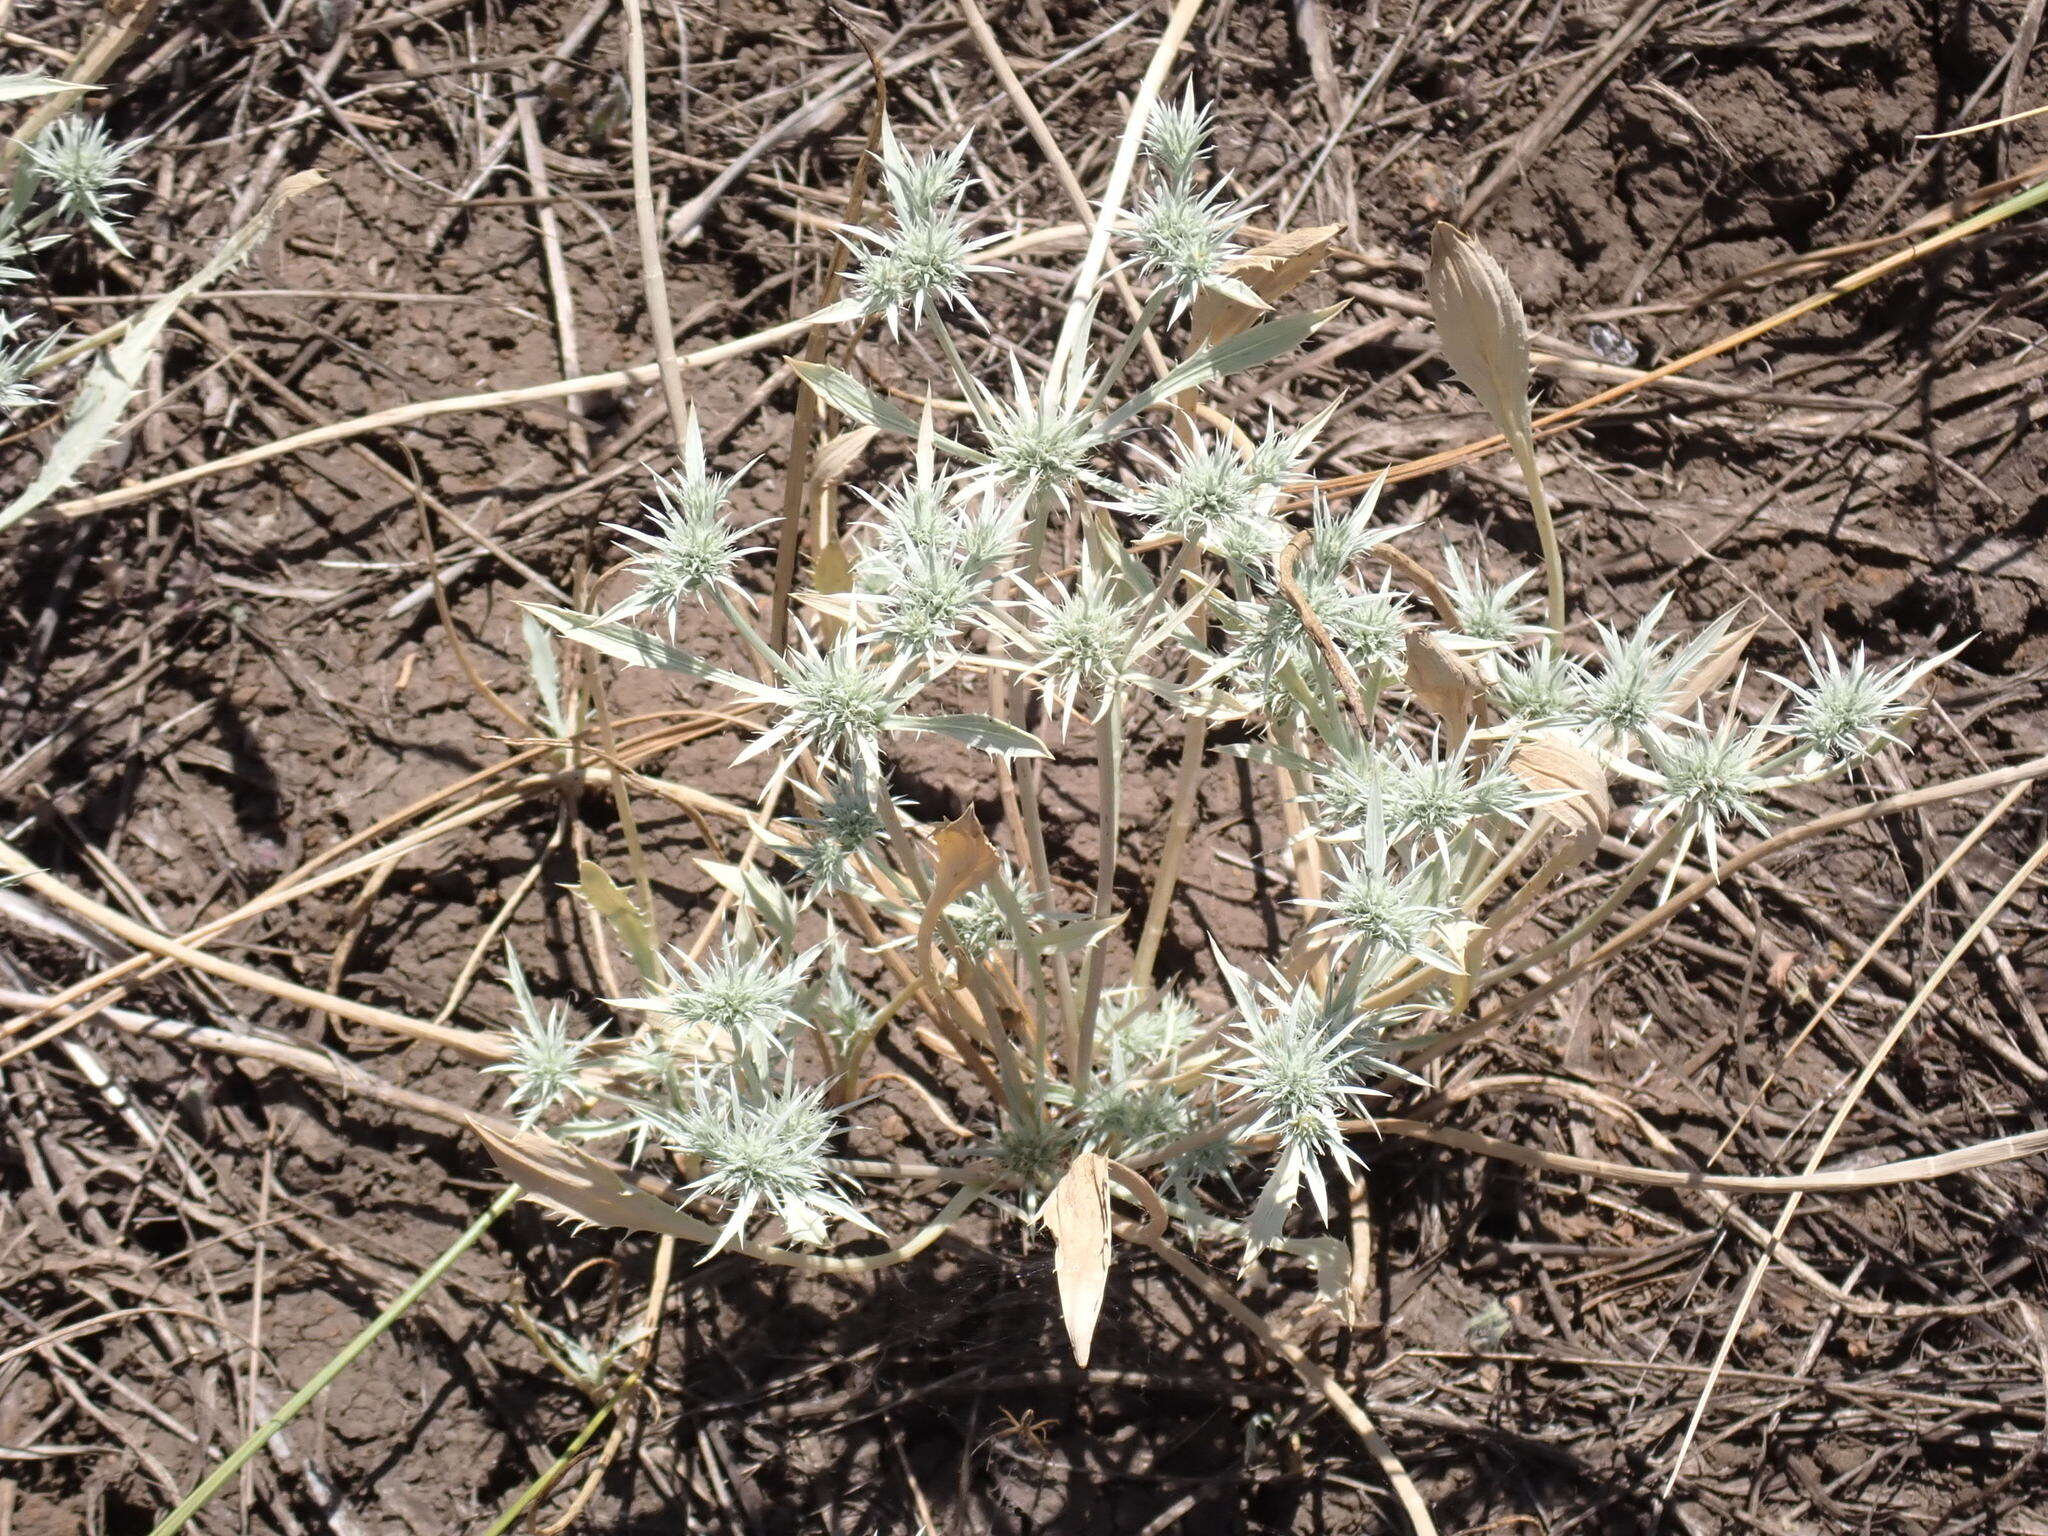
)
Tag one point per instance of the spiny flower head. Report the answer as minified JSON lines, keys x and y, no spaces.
{"x":547,"y":1062}
{"x":1124,"y":1119}
{"x":1488,"y":614}
{"x":1204,"y":486}
{"x":693,"y":548}
{"x":764,"y":1150}
{"x":924,"y":261}
{"x":922,"y":185}
{"x":736,"y":1006}
{"x":1307,"y":1059}
{"x":1708,"y":778}
{"x":1370,"y":627}
{"x":846,"y":825}
{"x":1083,"y":641}
{"x":1540,"y":689}
{"x":1852,"y":709}
{"x":17,"y":362}
{"x":1388,"y":910}
{"x":835,"y":703}
{"x":1034,"y":1152}
{"x":1185,"y":237}
{"x":1628,"y":697}
{"x":77,"y":160}
{"x":927,"y":258}
{"x":1039,"y":447}
{"x":1338,"y":541}
{"x":1177,"y":137}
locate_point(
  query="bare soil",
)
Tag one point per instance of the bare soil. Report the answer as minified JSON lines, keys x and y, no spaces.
{"x":203,"y":691}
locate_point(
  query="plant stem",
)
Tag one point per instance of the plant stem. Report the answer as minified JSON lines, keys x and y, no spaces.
{"x":407,"y":1299}
{"x":1546,"y":535}
{"x":1109,"y":791}
{"x":654,"y":281}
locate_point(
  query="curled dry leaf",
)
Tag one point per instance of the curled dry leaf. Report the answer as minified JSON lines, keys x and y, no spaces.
{"x":1444,"y":683}
{"x":839,"y":457}
{"x":1484,"y":334}
{"x":572,"y":1183}
{"x":966,"y":859}
{"x":1077,"y":1215}
{"x":1554,"y":763}
{"x":1272,"y":271}
{"x":1715,"y":668}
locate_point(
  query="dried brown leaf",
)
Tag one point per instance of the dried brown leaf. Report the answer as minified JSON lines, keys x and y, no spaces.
{"x":966,"y":859}
{"x":1551,"y":761}
{"x":1077,"y":1215}
{"x":839,"y":457}
{"x":572,"y":1183}
{"x":1718,"y":666}
{"x":1272,"y":271}
{"x":1443,"y":682}
{"x":1483,"y":332}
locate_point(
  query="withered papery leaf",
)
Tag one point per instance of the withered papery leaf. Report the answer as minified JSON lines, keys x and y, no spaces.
{"x":1480,"y":324}
{"x":1077,"y":1215}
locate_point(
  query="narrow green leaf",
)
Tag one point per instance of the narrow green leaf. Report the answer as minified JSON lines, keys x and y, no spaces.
{"x":848,"y":395}
{"x":622,"y":642}
{"x":21,"y":87}
{"x":981,"y":731}
{"x":1247,"y":349}
{"x":626,"y":920}
{"x":547,"y":678}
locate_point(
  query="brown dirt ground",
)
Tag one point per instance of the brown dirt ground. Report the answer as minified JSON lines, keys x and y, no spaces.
{"x":198,"y":693}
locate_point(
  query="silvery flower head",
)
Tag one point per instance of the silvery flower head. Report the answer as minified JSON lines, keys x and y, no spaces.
{"x":1627,"y":697}
{"x":838,"y":1011}
{"x":1084,"y":641}
{"x":77,"y":160}
{"x":979,"y":925}
{"x":846,"y":825}
{"x":1538,"y":689}
{"x":737,"y":1006}
{"x":835,"y":703}
{"x":922,"y":186}
{"x":693,"y":548}
{"x":1339,"y":540}
{"x":1124,"y":1119}
{"x":1177,"y":137}
{"x":924,"y":600}
{"x":1307,"y":1059}
{"x":924,"y":261}
{"x":18,"y":361}
{"x":764,"y":1151}
{"x":1429,"y":797}
{"x":547,"y":1061}
{"x":1370,"y":627}
{"x":1041,"y":444}
{"x":928,"y":257}
{"x":1147,"y":1035}
{"x":1852,"y":709}
{"x":1185,"y":238}
{"x":1489,"y":615}
{"x":1034,"y":1152}
{"x":1204,"y":486}
{"x":1706,"y":780}
{"x":1387,"y":910}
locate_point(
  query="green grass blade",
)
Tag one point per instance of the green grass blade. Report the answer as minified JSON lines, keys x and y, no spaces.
{"x":239,"y":1456}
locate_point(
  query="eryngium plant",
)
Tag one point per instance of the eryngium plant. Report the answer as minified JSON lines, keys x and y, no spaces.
{"x":1066,"y":557}
{"x":69,"y":179}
